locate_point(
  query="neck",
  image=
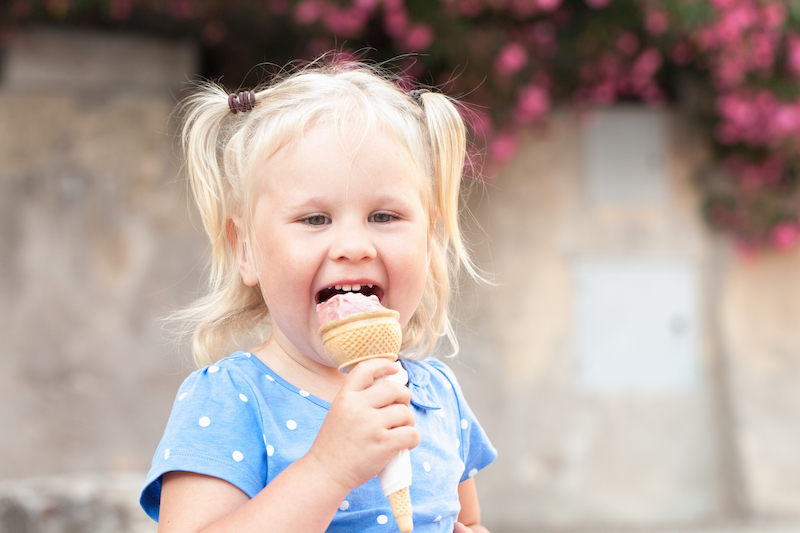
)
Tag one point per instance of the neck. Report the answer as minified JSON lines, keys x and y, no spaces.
{"x":320,"y":380}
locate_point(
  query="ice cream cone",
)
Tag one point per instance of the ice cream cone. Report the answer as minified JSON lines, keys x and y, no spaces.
{"x":401,"y":508}
{"x":367,"y":335}
{"x":362,"y":336}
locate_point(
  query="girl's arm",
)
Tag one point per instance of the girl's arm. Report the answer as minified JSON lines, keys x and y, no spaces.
{"x":364,"y":428}
{"x":470,"y":516}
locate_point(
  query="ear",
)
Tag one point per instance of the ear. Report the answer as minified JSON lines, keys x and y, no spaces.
{"x":237,"y":239}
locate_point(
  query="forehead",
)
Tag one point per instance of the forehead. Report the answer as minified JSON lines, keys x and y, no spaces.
{"x":347,"y":148}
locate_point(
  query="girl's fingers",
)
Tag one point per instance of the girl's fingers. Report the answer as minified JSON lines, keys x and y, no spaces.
{"x":365,"y":373}
{"x":395,"y":416}
{"x":458,"y":527}
{"x":387,"y":393}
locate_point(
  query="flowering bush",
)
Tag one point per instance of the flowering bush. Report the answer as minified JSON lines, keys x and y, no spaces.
{"x":735,"y":64}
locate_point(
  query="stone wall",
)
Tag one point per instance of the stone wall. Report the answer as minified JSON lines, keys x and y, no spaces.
{"x":633,"y":372}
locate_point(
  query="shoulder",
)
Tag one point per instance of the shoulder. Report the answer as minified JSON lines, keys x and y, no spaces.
{"x":227,"y":386}
{"x":232,"y":370}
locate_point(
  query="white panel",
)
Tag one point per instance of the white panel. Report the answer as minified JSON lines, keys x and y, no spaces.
{"x":636,"y":324}
{"x":624,"y":156}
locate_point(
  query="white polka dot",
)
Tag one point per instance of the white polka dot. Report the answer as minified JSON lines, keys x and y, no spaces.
{"x":458,"y":443}
{"x":212,"y":369}
{"x":427,"y":466}
{"x":291,"y":424}
{"x":440,"y":412}
{"x":382,"y":519}
{"x":464,"y":423}
{"x":237,"y":456}
{"x":204,"y":422}
{"x":248,"y":354}
{"x":345,"y":505}
{"x":303,"y":393}
{"x":270,"y":450}
{"x":166,"y":454}
{"x":243,"y":397}
{"x":437,"y":518}
{"x":269,"y":377}
{"x":473,"y":472}
{"x":182,"y":396}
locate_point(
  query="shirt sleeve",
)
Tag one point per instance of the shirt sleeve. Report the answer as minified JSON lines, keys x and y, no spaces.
{"x":214,"y":430}
{"x":477,"y":451}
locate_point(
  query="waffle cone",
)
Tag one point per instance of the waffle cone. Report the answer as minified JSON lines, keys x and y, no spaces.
{"x":401,"y":508}
{"x":362,"y":336}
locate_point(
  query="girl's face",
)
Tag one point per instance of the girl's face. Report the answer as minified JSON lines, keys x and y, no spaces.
{"x":335,"y":213}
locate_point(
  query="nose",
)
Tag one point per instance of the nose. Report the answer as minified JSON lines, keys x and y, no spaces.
{"x":352,"y":242}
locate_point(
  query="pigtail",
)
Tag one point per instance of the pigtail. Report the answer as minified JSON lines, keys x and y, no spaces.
{"x":205,"y":113}
{"x":448,"y":143}
{"x":229,"y":308}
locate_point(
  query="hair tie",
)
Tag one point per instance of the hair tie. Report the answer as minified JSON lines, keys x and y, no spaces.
{"x":416,"y":95}
{"x":243,"y":101}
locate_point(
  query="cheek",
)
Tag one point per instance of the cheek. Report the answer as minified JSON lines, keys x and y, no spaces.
{"x":410,"y":270}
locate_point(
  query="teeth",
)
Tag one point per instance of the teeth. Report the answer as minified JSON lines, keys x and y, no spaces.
{"x":351,"y":288}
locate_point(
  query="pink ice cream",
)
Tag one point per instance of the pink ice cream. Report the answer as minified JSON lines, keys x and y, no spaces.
{"x":342,"y":305}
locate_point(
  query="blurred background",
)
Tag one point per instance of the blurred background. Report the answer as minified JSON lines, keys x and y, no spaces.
{"x":634,"y":193}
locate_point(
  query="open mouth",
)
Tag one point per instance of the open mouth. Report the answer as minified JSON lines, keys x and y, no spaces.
{"x":368,"y":289}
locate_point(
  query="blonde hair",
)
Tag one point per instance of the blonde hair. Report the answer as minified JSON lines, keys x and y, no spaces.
{"x":223,"y":148}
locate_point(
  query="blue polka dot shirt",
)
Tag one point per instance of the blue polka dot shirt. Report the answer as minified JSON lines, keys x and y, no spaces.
{"x":239,"y":421}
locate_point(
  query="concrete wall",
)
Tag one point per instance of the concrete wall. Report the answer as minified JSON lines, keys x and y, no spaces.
{"x":97,"y":243}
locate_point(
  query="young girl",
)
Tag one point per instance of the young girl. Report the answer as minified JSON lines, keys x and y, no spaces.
{"x":328,"y":181}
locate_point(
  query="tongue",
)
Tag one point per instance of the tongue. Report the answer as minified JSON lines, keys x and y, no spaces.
{"x":342,"y":305}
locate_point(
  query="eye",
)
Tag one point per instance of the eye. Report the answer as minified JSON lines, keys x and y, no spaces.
{"x":316,"y":220}
{"x":382,"y":218}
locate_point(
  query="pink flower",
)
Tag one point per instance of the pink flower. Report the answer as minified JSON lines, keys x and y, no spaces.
{"x":648,"y":63}
{"x":533,"y":102}
{"x":774,"y":15}
{"x":785,"y":235}
{"x":628,"y":43}
{"x":470,"y":8}
{"x":522,"y":8}
{"x":544,"y":35}
{"x":793,"y":54}
{"x":786,"y":120}
{"x":763,"y":46}
{"x":656,"y":22}
{"x":419,"y":37}
{"x":504,"y":147}
{"x":598,"y":4}
{"x":548,"y":5}
{"x":395,"y":21}
{"x":511,"y":59}
{"x":345,"y":22}
{"x":307,"y":12}
{"x":682,"y":53}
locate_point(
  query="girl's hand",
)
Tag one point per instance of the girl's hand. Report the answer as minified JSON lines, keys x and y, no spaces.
{"x":365,"y":426}
{"x":458,"y":527}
